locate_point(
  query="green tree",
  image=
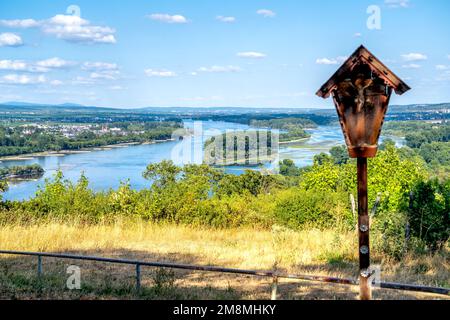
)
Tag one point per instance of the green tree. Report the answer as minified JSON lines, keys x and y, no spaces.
{"x":339,"y":154}
{"x":162,"y":173}
{"x":288,"y":168}
{"x":429,"y":212}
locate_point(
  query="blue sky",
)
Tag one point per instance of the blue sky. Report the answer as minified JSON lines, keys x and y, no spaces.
{"x":251,"y":53}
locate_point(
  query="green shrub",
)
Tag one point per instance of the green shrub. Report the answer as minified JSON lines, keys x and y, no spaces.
{"x":298,"y":208}
{"x":429,"y":212}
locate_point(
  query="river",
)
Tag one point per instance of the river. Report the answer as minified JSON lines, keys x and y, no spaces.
{"x":107,"y":168}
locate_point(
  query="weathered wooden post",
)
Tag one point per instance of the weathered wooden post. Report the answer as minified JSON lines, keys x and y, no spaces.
{"x":361,"y":89}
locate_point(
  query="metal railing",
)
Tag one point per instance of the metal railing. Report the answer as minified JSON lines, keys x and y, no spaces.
{"x":272,"y":274}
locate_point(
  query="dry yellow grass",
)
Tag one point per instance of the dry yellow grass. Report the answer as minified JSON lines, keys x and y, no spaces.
{"x":313,"y":251}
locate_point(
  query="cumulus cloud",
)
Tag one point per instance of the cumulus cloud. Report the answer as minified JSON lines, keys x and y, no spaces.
{"x":70,"y":28}
{"x":10,"y":40}
{"x":160,"y":73}
{"x":357,"y":35}
{"x":22,"y":24}
{"x":54,"y":63}
{"x":102,"y":70}
{"x":411,"y":66}
{"x":105,"y":75}
{"x":99,"y":66}
{"x":76,"y":29}
{"x":22,"y":79}
{"x":83,"y":81}
{"x":397,"y":3}
{"x":331,"y":61}
{"x":220,"y":69}
{"x":251,"y":55}
{"x":167,"y":18}
{"x":414,"y":57}
{"x":442,"y":67}
{"x":13,"y":65}
{"x":266,"y":13}
{"x":39,"y":66}
{"x":226,"y":19}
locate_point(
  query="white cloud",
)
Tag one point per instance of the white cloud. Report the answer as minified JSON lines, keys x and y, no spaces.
{"x":411,"y":66}
{"x":54,"y":63}
{"x":22,"y":79}
{"x":116,"y":87}
{"x":160,"y":73}
{"x":105,"y":75}
{"x":70,"y":28}
{"x":39,"y":66}
{"x":10,"y":40}
{"x":99,"y":66}
{"x":442,"y":67}
{"x":266,"y":13}
{"x":75,"y":29}
{"x":397,"y":3}
{"x":251,"y":55}
{"x":13,"y":65}
{"x":83,"y":81}
{"x":357,"y":35}
{"x":226,"y":19}
{"x":327,"y":61}
{"x":167,"y":18}
{"x":414,"y":57}
{"x":17,"y":23}
{"x":220,"y":69}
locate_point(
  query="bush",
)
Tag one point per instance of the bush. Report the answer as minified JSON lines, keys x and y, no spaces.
{"x":298,"y":208}
{"x":388,"y":234}
{"x":429,"y":212}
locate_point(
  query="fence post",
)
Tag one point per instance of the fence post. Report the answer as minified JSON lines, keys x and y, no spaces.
{"x":138,"y":277}
{"x":39,"y":266}
{"x":274,"y":287}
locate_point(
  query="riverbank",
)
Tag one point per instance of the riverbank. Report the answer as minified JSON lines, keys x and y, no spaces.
{"x":62,"y":153}
{"x":294,"y":141}
{"x":21,"y":173}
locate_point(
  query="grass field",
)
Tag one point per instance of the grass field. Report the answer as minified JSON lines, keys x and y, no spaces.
{"x":312,"y":252}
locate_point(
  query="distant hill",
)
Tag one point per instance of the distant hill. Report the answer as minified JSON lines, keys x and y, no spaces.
{"x":26,"y":107}
{"x":44,"y":108}
{"x":422,"y":107}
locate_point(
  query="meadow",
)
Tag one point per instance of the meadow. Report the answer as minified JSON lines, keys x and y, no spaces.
{"x":318,"y":252}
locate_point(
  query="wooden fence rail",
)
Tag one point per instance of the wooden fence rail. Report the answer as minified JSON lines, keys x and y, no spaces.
{"x":272,"y":274}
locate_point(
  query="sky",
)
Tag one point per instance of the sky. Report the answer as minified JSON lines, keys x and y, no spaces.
{"x":211,"y":53}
